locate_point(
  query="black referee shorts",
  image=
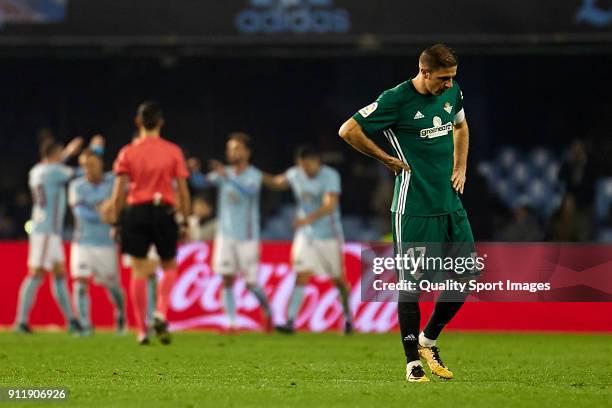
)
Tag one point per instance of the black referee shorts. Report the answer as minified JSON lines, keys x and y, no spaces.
{"x":146,"y":224}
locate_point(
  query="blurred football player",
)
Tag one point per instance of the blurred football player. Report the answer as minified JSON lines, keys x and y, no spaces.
{"x":93,"y":252}
{"x":47,"y":181}
{"x":318,"y":241}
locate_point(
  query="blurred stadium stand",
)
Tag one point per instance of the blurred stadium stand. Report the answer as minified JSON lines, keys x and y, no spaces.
{"x":525,"y":178}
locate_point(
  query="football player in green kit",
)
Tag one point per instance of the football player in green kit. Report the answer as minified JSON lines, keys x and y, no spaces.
{"x":424,"y":121}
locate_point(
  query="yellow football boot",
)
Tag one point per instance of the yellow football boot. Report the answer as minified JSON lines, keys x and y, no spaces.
{"x":431,"y":355}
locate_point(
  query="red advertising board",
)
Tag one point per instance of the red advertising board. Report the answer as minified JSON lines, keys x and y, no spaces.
{"x":196,"y":301}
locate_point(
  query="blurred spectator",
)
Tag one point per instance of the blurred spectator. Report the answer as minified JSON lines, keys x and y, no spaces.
{"x":202,"y":222}
{"x":523,"y":227}
{"x":7,"y":227}
{"x":15,"y":209}
{"x":382,"y":195}
{"x":357,"y":185}
{"x":21,"y":211}
{"x":488,"y":214}
{"x":578,"y":176}
{"x":566,"y":225}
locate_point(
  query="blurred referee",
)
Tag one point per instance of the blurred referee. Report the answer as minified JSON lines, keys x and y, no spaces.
{"x":154,"y":169}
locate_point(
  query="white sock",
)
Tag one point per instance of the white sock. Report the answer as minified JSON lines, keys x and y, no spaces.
{"x":413,"y":364}
{"x":425,"y":342}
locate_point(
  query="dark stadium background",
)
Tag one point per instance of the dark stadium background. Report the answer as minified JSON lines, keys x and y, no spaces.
{"x":534,"y":83}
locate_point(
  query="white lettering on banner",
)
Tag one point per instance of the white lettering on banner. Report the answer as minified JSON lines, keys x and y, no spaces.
{"x":326,"y":311}
{"x":196,"y":299}
{"x":377,"y":317}
{"x":182,"y":297}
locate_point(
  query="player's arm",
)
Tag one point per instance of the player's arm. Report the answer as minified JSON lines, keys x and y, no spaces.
{"x":183,"y":199}
{"x":197,"y":179}
{"x":218,"y":174}
{"x":276,"y":182}
{"x":353,"y":134}
{"x":81,"y":209}
{"x":328,"y":205}
{"x":461,"y":140}
{"x":72,"y":148}
{"x":85,"y":212}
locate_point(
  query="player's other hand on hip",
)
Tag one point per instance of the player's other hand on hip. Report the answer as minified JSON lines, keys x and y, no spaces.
{"x":396,"y":165}
{"x":458,"y":179}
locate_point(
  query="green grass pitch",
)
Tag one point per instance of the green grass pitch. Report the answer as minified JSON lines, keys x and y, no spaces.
{"x":312,"y":370}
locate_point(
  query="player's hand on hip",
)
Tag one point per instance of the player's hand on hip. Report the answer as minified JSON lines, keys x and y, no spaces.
{"x":458,"y":179}
{"x":396,"y":165}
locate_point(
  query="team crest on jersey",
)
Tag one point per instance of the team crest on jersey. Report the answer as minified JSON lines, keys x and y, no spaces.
{"x":365,"y":112}
{"x":437,"y":130}
{"x":448,"y":107}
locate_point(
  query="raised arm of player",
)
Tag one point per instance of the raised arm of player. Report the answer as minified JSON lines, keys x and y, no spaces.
{"x":328,"y":205}
{"x":461,"y":140}
{"x":353,"y":134}
{"x":72,"y":148}
{"x":277,"y":182}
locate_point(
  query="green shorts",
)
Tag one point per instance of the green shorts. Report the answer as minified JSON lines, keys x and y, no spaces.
{"x":453,"y":227}
{"x":444,"y":241}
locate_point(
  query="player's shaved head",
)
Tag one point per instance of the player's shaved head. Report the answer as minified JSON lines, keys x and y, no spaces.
{"x":150,"y":115}
{"x":438,"y":56}
{"x":49,"y":148}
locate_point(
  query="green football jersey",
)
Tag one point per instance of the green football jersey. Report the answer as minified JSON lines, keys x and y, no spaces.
{"x":420,"y":130}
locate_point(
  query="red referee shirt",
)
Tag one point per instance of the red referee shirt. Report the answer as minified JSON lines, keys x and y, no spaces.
{"x":152,"y":164}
